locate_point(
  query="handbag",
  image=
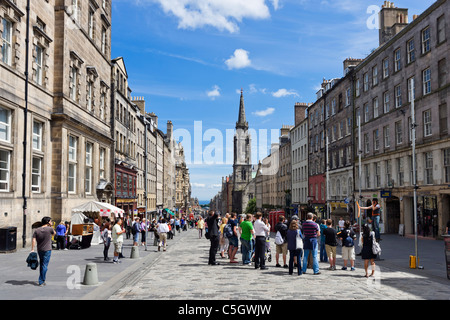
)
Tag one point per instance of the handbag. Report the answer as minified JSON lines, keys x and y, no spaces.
{"x":299,"y":241}
{"x":376,"y":249}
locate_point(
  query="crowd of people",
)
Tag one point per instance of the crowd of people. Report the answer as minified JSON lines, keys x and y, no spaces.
{"x":307,"y":242}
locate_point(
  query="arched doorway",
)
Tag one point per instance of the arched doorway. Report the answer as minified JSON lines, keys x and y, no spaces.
{"x":392,"y":215}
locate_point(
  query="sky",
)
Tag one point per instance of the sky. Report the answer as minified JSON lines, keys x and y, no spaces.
{"x":190,"y":59}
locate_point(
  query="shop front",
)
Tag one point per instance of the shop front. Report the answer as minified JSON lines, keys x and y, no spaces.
{"x":125,"y":191}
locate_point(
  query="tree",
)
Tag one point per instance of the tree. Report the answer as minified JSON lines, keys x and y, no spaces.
{"x":251,"y":206}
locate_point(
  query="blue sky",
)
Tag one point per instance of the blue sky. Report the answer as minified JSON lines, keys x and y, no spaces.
{"x":190,"y":59}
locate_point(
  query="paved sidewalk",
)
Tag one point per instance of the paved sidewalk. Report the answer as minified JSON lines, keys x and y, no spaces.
{"x":66,"y":271}
{"x":182,"y":273}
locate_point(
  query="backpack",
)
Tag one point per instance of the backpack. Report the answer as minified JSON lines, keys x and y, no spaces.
{"x":279,"y":239}
{"x":228,"y":231}
{"x":135,"y":228}
{"x":348,"y":241}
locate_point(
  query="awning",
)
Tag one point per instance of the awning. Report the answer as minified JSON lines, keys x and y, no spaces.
{"x":105,"y":209}
{"x":169,"y":212}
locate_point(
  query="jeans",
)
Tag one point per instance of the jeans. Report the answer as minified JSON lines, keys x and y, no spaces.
{"x":310,"y":245}
{"x":246,"y":251}
{"x":44,"y":259}
{"x":376,"y":226}
{"x":106,"y":246}
{"x":323,"y":252}
{"x":295,"y":253}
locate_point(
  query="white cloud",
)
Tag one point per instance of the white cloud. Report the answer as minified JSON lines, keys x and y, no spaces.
{"x":284,"y":93}
{"x":198,"y":185}
{"x":239,"y":60}
{"x":220,"y":14}
{"x":214,"y":93}
{"x":264,"y":113}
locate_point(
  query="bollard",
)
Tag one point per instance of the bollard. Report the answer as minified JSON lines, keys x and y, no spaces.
{"x":134,"y":252}
{"x":90,"y":275}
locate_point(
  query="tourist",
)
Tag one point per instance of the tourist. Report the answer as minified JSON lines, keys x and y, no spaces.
{"x":260,"y":230}
{"x":282,"y":228}
{"x":323,"y":252}
{"x":223,"y":242}
{"x":330,"y":244}
{"x":376,"y":213}
{"x":117,"y":237}
{"x":247,"y":231}
{"x":200,"y":227}
{"x":42,"y":242}
{"x":61,"y":233}
{"x":213,"y":231}
{"x":162,"y":229}
{"x":310,"y":232}
{"x":294,"y":252}
{"x":144,"y":229}
{"x":366,"y":252}
{"x":233,"y":244}
{"x":348,"y":238}
{"x":106,"y":237}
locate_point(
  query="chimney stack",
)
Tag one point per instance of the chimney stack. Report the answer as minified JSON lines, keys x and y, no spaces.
{"x":392,"y":21}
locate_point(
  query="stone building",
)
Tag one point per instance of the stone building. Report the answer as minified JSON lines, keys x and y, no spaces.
{"x":284,"y":175}
{"x":411,"y":63}
{"x":182,"y":180}
{"x":299,"y":158}
{"x":125,"y":130}
{"x":339,"y":130}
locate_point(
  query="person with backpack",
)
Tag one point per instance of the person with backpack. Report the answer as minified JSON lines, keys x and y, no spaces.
{"x":280,"y":242}
{"x":233,"y":241}
{"x":348,"y":238}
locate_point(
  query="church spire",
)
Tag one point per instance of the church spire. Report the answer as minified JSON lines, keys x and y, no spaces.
{"x":242,"y":123}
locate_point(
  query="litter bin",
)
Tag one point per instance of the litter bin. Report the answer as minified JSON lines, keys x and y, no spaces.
{"x":447,"y":254}
{"x":8,"y":239}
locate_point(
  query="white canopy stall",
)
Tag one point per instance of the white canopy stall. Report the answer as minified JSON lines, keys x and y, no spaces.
{"x":103,"y":209}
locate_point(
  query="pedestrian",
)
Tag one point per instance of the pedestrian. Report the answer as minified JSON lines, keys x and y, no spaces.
{"x":282,"y":248}
{"x":348,"y":238}
{"x":144,"y":228}
{"x":447,"y":229}
{"x":341,"y":223}
{"x":247,"y":231}
{"x":163,"y":229}
{"x":128,"y":224}
{"x":106,"y":237}
{"x":366,"y":253}
{"x":177,"y":225}
{"x":323,"y":252}
{"x":260,"y":228}
{"x":117,"y":238}
{"x":310,"y":232}
{"x":61,"y":233}
{"x":200,"y":227}
{"x":213,"y":231}
{"x":136,"y":230}
{"x":223,"y":239}
{"x":376,"y":214}
{"x":294,"y":252}
{"x":42,"y":242}
{"x":233,"y":241}
{"x":330,"y":244}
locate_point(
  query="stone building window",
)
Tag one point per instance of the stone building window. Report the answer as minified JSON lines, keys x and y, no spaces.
{"x":5,"y":163}
{"x":411,"y":51}
{"x":441,"y":29}
{"x":5,"y":125}
{"x":88,"y":173}
{"x":7,"y":30}
{"x":72,"y":170}
{"x":426,"y":40}
{"x":36,"y":174}
{"x":75,"y":65}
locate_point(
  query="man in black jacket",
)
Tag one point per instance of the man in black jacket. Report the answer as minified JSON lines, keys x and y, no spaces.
{"x":213,"y":230}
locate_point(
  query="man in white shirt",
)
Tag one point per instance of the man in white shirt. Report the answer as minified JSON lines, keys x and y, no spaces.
{"x":260,"y":241}
{"x":162,"y":229}
{"x":117,"y":237}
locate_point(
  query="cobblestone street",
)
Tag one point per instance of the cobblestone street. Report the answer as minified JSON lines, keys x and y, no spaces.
{"x":183,"y":273}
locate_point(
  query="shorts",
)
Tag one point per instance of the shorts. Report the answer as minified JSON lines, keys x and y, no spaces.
{"x":233,"y":241}
{"x":331,"y":251}
{"x":118,"y":247}
{"x":348,"y":253}
{"x":281,"y":248}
